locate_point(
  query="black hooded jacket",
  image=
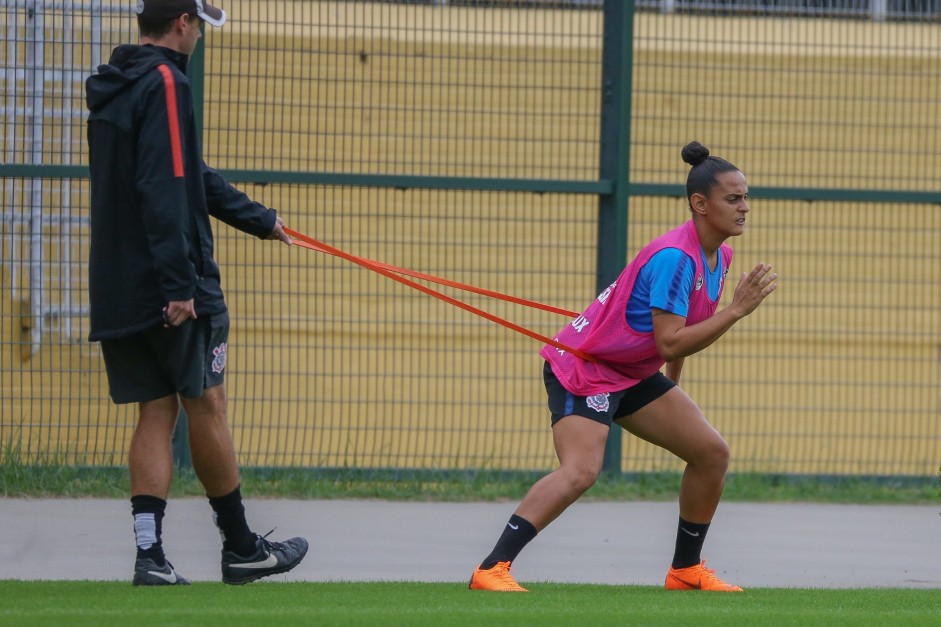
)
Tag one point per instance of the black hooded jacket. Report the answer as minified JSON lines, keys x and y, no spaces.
{"x":152,"y":195}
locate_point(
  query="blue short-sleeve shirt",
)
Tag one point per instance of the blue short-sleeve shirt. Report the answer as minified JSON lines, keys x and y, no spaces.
{"x":665,"y":282}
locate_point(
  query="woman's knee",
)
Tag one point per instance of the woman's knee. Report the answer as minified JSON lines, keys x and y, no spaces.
{"x":714,"y":454}
{"x":582,"y":476}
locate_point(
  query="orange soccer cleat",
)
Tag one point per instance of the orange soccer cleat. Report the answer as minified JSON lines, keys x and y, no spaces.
{"x":697,"y":577}
{"x":496,"y":579}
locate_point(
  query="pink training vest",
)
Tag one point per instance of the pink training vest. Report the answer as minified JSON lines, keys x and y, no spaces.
{"x":602,"y":331}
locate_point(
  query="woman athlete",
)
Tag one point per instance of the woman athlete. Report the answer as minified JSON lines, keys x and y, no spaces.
{"x":661,"y":309}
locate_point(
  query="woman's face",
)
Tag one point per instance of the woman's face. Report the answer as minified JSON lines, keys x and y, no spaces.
{"x":726,"y":205}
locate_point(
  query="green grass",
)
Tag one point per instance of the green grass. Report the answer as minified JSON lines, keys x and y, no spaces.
{"x":440,"y":604}
{"x":58,"y":480}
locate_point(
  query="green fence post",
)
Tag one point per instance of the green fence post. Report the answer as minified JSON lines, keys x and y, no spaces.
{"x":195,"y":71}
{"x":616,"y":77}
{"x":182,"y":458}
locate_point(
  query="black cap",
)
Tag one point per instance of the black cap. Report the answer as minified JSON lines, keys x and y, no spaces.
{"x":169,"y":9}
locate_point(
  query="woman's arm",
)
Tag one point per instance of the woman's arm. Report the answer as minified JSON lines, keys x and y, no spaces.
{"x":675,"y":369}
{"x":675,"y":340}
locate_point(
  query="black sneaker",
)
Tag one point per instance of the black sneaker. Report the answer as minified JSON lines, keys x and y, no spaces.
{"x":147,"y":573}
{"x":270,"y":558}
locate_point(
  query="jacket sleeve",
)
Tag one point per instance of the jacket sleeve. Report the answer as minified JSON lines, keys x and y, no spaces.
{"x":161,"y":182}
{"x":234,"y":207}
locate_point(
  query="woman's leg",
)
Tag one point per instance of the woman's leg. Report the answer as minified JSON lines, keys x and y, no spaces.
{"x":674,"y":422}
{"x":579,"y":444}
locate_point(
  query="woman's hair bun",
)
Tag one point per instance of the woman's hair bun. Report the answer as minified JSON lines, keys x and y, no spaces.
{"x":694,"y":153}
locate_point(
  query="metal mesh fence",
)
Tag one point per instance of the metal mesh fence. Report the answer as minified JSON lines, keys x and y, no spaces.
{"x":808,"y":103}
{"x":840,"y":374}
{"x":333,"y":366}
{"x":389,"y":88}
{"x":371,"y":373}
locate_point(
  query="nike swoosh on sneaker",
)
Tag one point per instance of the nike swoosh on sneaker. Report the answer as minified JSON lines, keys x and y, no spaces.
{"x":268,"y":562}
{"x":168,"y":577}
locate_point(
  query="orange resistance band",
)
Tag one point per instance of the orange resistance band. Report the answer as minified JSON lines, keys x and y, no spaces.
{"x":393,"y":272}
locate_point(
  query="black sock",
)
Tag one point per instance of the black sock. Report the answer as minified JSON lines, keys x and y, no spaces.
{"x":148,"y":514}
{"x":516,"y":535}
{"x":230,"y":519}
{"x":689,"y":540}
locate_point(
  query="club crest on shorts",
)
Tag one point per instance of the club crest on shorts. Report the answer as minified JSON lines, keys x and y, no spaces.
{"x":598,"y":402}
{"x":218,"y":360}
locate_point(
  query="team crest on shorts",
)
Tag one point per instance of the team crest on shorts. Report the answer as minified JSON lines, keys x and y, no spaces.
{"x":598,"y":402}
{"x":218,"y":360}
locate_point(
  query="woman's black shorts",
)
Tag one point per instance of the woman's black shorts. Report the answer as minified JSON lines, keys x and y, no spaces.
{"x":605,"y":407}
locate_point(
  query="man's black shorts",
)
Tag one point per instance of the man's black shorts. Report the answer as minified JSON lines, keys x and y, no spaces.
{"x":606,"y":407}
{"x":162,"y":361}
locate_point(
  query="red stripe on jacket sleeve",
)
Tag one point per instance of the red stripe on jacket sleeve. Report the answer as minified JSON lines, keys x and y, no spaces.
{"x":173,"y":117}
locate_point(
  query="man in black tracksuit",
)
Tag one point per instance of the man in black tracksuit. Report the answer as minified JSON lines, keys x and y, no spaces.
{"x":156,"y":302}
